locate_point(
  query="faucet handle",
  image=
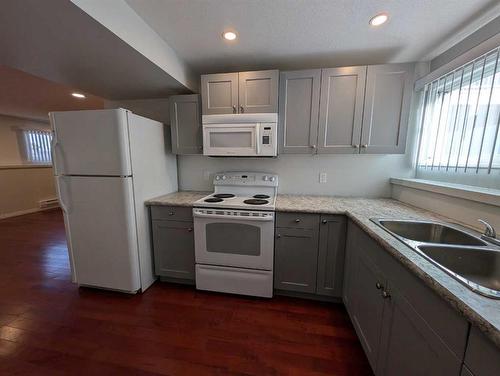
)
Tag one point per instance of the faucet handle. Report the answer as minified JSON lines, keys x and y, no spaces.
{"x":490,"y":231}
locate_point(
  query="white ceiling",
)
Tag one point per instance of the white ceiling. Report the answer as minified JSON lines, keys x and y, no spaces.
{"x":27,"y":96}
{"x":288,"y":34}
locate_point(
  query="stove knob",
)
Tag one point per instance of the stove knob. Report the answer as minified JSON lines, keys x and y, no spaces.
{"x":224,"y":177}
{"x":272,"y":178}
{"x":217,"y":177}
{"x":266,"y":178}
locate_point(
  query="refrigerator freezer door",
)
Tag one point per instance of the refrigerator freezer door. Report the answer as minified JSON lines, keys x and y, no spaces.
{"x":100,"y":221}
{"x":94,"y":143}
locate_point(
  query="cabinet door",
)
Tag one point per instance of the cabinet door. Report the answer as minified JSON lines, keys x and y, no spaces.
{"x":219,"y":93}
{"x":331,"y":255}
{"x":185,"y":124}
{"x":258,"y":91}
{"x":341,"y":109}
{"x":409,"y":346}
{"x":367,"y":304}
{"x":174,"y":249}
{"x":387,"y":104}
{"x":298,"y":111}
{"x":295,"y":259}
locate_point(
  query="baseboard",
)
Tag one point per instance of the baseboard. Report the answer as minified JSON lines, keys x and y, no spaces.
{"x":23,"y":212}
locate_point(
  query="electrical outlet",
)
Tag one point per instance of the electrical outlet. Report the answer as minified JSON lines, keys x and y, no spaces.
{"x":206,"y":175}
{"x":322,"y":177}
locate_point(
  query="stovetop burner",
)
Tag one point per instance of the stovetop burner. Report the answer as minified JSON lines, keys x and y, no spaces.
{"x":213,"y":199}
{"x":261,"y":196}
{"x":256,"y":201}
{"x":224,"y":195}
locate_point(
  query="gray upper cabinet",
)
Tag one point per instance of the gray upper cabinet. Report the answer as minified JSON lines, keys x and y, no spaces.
{"x":258,"y":91}
{"x":387,"y":103}
{"x":331,"y":255}
{"x":219,"y":93}
{"x":298,"y":111}
{"x":185,"y":124}
{"x":341,"y":109}
{"x":237,"y":93}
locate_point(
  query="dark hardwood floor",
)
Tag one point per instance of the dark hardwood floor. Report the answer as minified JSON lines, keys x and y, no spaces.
{"x":49,"y":326}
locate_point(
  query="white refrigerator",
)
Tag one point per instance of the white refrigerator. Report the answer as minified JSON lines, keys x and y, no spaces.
{"x":106,"y":164}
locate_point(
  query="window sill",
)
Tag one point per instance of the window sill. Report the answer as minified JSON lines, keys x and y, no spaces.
{"x":487,"y":196}
{"x":21,"y":166}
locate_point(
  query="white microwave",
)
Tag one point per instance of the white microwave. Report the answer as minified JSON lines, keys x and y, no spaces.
{"x":240,"y":135}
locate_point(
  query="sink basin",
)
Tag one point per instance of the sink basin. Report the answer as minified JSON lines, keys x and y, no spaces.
{"x":478,"y":268}
{"x":429,"y":232}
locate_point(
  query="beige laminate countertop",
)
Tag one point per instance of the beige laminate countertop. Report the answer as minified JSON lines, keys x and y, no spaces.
{"x":480,"y":311}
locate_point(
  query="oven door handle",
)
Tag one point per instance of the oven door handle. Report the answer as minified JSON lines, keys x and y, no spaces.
{"x":249,"y":218}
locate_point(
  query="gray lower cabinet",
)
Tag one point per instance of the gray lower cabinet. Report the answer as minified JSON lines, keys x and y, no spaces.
{"x":331,"y":252}
{"x":482,"y":357}
{"x":309,"y":253}
{"x":341,"y":110}
{"x":298,"y":111}
{"x":296,"y":259}
{"x":409,"y":346}
{"x":173,"y":243}
{"x":185,"y":124}
{"x":404,"y":328}
{"x":388,"y":94}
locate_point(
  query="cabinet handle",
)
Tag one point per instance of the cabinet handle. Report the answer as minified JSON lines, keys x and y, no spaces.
{"x":313,"y":146}
{"x":190,"y":229}
{"x":171,"y":213}
{"x":355,"y":146}
{"x":386,"y":295}
{"x":234,"y":108}
{"x":242,"y":110}
{"x":324,"y":221}
{"x":278,"y":236}
{"x":297,"y":220}
{"x":378,"y":285}
{"x":364,"y":146}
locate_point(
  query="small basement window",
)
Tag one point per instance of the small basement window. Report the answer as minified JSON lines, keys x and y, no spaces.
{"x":37,"y":145}
{"x":459,"y":139}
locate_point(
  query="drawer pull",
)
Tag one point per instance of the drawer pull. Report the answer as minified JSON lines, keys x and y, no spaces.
{"x":378,"y":285}
{"x":297,"y":220}
{"x":278,"y":236}
{"x":386,"y":295}
{"x":171,"y":213}
{"x":324,"y":221}
{"x":190,"y":229}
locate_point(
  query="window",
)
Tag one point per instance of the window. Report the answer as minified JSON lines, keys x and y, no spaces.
{"x":461,"y":121}
{"x":37,"y":144}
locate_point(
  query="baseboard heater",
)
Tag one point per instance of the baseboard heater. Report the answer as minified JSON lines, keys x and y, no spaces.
{"x":48,"y":203}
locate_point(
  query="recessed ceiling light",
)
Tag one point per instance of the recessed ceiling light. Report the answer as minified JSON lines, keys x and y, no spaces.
{"x":229,"y":35}
{"x":78,"y":95}
{"x":379,"y":19}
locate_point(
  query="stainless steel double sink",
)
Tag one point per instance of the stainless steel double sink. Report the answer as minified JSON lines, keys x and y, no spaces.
{"x":456,"y":250}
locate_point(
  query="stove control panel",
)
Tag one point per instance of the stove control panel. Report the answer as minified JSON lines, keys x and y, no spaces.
{"x":246,"y":178}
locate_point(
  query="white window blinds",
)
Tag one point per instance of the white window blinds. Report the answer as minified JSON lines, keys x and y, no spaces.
{"x":461,"y":120}
{"x":37,"y":144}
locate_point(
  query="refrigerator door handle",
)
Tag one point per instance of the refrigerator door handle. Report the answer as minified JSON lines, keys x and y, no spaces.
{"x":61,"y":190}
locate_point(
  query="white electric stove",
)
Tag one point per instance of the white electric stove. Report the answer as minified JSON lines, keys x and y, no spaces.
{"x":234,"y":234}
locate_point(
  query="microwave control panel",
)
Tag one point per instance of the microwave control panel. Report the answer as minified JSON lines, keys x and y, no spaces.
{"x":268,"y":137}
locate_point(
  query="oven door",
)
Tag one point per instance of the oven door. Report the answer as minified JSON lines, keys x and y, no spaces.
{"x":231,"y":139}
{"x":238,"y":238}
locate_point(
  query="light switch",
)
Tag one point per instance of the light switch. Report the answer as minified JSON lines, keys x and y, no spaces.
{"x":322,"y":177}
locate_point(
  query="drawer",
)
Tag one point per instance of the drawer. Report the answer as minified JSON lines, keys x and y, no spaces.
{"x":173,"y":213}
{"x":297,"y":220}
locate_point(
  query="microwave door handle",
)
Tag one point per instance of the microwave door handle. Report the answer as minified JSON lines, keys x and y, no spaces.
{"x":249,"y":218}
{"x":257,"y":137}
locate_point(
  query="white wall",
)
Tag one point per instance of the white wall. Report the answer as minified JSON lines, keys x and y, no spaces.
{"x":347,"y":175}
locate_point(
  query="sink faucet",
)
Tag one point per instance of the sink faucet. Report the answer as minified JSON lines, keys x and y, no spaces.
{"x":489,"y":234}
